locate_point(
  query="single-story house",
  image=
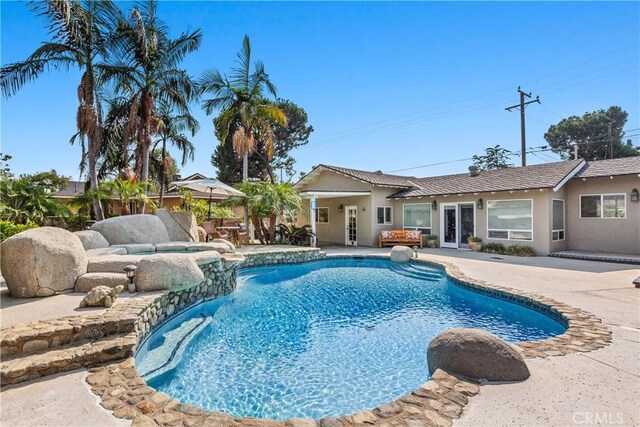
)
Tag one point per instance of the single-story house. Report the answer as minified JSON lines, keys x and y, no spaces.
{"x":572,"y":204}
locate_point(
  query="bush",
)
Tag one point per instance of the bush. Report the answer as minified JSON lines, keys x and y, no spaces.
{"x":516,"y":250}
{"x":520,"y":250}
{"x":432,"y":237}
{"x":8,"y":228}
{"x":475,"y":239}
{"x":292,"y":235}
{"x":494,"y":248}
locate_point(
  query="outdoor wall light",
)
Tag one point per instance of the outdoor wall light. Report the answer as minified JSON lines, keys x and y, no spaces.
{"x":479,"y":203}
{"x":341,"y":208}
{"x":434,"y":205}
{"x":634,"y":195}
{"x":130,"y":271}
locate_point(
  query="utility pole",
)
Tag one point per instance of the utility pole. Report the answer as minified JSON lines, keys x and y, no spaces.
{"x":521,"y":106}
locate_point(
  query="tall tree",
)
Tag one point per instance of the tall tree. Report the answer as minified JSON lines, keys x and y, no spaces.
{"x":598,"y":134}
{"x":244,"y":111}
{"x":78,"y":32}
{"x":285,"y":138}
{"x":494,"y":158}
{"x":145,"y":70}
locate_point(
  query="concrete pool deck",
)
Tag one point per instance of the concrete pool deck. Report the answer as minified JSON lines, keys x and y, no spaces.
{"x":567,"y":390}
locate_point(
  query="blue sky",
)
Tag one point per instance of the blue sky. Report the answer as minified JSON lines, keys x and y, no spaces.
{"x":386,"y":86}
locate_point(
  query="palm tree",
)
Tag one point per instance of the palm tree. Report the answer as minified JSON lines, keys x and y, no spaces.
{"x":129,"y":191}
{"x":144,"y":69}
{"x":172,"y":130}
{"x":79,"y":32}
{"x":241,"y":99}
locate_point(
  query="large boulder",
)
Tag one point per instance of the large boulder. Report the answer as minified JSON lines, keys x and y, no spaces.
{"x":112,"y":263}
{"x":476,"y":354}
{"x":219,"y":245}
{"x":202,"y":234}
{"x":92,"y":239}
{"x":181,"y":226}
{"x":168,"y":271}
{"x":88,"y":281}
{"x":42,"y":261}
{"x":127,"y":229}
{"x":401,"y":254}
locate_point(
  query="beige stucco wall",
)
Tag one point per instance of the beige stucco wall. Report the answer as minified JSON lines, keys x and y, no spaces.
{"x":603,"y":234}
{"x":541,"y":215}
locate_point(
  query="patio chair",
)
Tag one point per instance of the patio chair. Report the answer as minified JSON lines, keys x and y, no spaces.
{"x":212,"y":232}
{"x":243,"y":235}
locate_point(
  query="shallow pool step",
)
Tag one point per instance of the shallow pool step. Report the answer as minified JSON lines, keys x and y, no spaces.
{"x":413,"y":273}
{"x":85,"y":353}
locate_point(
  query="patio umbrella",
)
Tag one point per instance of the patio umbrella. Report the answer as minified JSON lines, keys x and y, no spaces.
{"x":211,"y":186}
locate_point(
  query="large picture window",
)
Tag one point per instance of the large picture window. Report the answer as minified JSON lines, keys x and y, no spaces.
{"x":510,"y":219}
{"x":557,"y":228}
{"x":384,"y":215}
{"x":322,"y":215}
{"x":603,"y":206}
{"x":417,"y":217}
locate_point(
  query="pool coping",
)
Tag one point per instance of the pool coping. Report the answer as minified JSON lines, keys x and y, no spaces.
{"x":437,"y":402}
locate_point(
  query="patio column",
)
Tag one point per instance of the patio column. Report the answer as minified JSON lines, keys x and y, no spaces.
{"x":312,"y":219}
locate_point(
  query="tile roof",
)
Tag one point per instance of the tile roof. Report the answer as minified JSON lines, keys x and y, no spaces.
{"x":510,"y":179}
{"x":611,"y":167}
{"x":375,"y":178}
{"x":73,"y":189}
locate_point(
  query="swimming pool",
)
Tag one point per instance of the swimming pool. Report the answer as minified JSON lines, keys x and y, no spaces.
{"x":324,"y":338}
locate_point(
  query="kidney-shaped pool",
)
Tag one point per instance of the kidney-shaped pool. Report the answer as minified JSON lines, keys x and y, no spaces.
{"x":319,"y":339}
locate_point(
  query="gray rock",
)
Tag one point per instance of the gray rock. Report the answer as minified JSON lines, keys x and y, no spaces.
{"x":181,"y":226}
{"x":92,"y":239}
{"x":137,"y":248}
{"x":167,"y":271}
{"x":171,"y":247}
{"x":225,"y":242}
{"x":101,"y":296}
{"x":42,"y":261}
{"x":112,"y":263}
{"x":127,"y":229}
{"x":88,"y":281}
{"x":111,"y":250}
{"x":401,"y":254}
{"x":476,"y":354}
{"x":202,"y":234}
{"x":205,"y":257}
{"x":221,"y":246}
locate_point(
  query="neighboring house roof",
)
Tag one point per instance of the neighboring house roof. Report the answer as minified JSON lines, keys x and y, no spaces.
{"x":375,"y":178}
{"x":549,"y":175}
{"x":73,"y":189}
{"x":611,"y":167}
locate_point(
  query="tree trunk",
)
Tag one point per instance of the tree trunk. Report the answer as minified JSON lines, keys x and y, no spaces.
{"x":245,"y":178}
{"x":144,"y":174}
{"x":164,"y":153}
{"x":272,"y":228}
{"x":257,"y":226}
{"x":93,"y":136}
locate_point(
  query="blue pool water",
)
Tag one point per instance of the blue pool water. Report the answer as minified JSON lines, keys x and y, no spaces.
{"x":325,"y":338}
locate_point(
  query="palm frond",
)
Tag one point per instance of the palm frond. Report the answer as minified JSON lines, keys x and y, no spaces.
{"x":16,"y":75}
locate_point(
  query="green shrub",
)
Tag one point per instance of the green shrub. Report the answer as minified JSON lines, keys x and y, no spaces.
{"x":494,"y":248}
{"x":520,"y":250}
{"x":292,"y":235}
{"x":475,"y":239}
{"x":8,"y":228}
{"x":432,"y":237}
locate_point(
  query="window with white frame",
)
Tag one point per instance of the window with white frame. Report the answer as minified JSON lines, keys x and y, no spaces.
{"x":417,"y":217}
{"x":384,"y":215}
{"x":322,"y":215}
{"x":603,"y":205}
{"x":557,"y":220}
{"x":510,"y":219}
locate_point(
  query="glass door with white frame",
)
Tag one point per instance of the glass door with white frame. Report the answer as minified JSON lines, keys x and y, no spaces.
{"x":351,"y":221}
{"x":467,"y":223}
{"x":449,"y":238}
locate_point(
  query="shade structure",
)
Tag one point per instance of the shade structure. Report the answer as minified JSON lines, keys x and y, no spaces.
{"x":211,"y":186}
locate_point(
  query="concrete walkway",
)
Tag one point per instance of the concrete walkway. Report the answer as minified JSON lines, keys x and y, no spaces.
{"x":568,"y":390}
